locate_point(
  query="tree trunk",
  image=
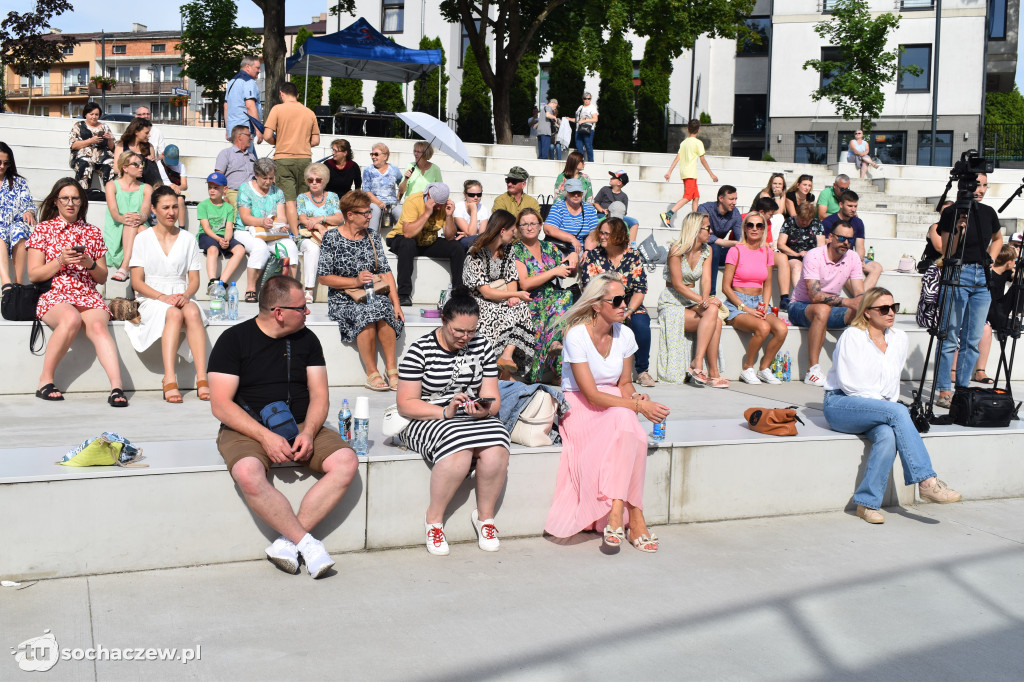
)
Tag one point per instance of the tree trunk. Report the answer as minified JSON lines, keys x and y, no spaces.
{"x":500,"y":102}
{"x":274,"y":53}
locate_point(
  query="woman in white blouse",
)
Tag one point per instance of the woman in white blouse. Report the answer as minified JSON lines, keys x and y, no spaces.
{"x":861,"y":397}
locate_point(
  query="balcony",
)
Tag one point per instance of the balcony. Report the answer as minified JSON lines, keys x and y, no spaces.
{"x":46,"y":90}
{"x":127,"y":88}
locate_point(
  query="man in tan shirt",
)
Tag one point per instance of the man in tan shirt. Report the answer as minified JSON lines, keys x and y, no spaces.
{"x":293,"y":129}
{"x":515,"y":199}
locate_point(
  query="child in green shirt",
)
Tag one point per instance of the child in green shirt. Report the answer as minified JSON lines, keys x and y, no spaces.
{"x":217,"y":218}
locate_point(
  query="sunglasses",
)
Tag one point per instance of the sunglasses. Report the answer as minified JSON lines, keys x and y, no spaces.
{"x":884,"y":309}
{"x":375,"y":153}
{"x":513,"y":181}
{"x":135,"y":164}
{"x":474,"y":194}
{"x":616,"y":301}
{"x":756,"y":226}
{"x":310,"y":181}
{"x":840,"y":239}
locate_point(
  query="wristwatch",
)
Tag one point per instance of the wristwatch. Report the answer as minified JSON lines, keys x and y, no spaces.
{"x":93,"y":266}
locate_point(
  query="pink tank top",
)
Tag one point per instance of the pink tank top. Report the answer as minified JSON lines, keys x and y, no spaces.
{"x":751,"y":265}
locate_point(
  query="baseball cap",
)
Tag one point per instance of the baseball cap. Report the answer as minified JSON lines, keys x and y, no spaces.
{"x":1017,"y":237}
{"x":171,"y":155}
{"x":517,"y":173}
{"x":215,"y":178}
{"x":573,"y":185}
{"x":438,"y":191}
{"x":621,"y":175}
{"x":616,"y":209}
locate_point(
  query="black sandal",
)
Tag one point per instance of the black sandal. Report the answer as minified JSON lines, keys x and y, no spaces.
{"x":250,"y":297}
{"x":117,"y":398}
{"x":44,"y":393}
{"x":984,"y":380}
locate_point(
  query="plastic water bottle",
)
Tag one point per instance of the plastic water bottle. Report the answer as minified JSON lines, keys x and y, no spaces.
{"x":368,"y":288}
{"x":658,"y":433}
{"x":217,"y":302}
{"x":232,"y":309}
{"x":787,"y":367}
{"x":871,"y":253}
{"x":345,"y":420}
{"x":360,"y":436}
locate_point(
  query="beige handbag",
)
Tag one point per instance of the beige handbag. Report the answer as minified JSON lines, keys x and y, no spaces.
{"x":535,"y":421}
{"x":380,"y":288}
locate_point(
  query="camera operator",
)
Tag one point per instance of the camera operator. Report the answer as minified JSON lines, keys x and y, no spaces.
{"x":975,"y":244}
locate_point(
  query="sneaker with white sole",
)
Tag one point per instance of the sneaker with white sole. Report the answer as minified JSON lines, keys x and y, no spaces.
{"x":938,"y":492}
{"x":284,"y":554}
{"x":486,"y":533}
{"x":767,"y":376}
{"x":645,"y":379}
{"x":436,"y":543}
{"x":666,"y":218}
{"x":815,"y":377}
{"x":318,"y":561}
{"x":749,"y":376}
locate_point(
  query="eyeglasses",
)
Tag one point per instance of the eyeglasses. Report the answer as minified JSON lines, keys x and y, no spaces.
{"x":245,"y":134}
{"x":462,"y":332}
{"x":840,"y":239}
{"x":616,"y":301}
{"x":298,"y":308}
{"x":513,"y":181}
{"x":310,"y":181}
{"x":135,"y":164}
{"x":604,"y":234}
{"x":6,"y":163}
{"x":365,"y":213}
{"x":69,"y":200}
{"x":884,"y":309}
{"x":530,"y":224}
{"x":474,"y":194}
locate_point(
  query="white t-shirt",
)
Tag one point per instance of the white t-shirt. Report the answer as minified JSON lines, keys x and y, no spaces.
{"x":156,"y":139}
{"x":586,"y":112}
{"x":483,"y":212}
{"x":180,"y":169}
{"x":578,"y":347}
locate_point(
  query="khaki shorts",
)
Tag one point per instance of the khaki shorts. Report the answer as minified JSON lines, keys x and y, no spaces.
{"x":291,"y":177}
{"x":234,"y":447}
{"x":231,"y":196}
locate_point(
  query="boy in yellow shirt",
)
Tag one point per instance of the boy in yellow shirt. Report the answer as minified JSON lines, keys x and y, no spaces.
{"x":690,"y":150}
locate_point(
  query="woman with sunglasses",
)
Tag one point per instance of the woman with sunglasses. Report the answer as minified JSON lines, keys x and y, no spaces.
{"x":470,"y":214}
{"x":747,"y":285}
{"x":423,"y":172}
{"x":541,"y":267}
{"x":859,"y":154}
{"x":17,"y":217}
{"x":601,"y":472}
{"x":448,"y":390}
{"x":128,"y":209}
{"x":344,"y":172}
{"x":862,"y":394}
{"x":349,"y":258}
{"x":69,"y":253}
{"x":380,"y":182}
{"x":775,"y":189}
{"x":574,"y":164}
{"x":318,"y":211}
{"x":165,"y":276}
{"x":684,"y":309}
{"x":491,"y":275}
{"x":799,"y":193}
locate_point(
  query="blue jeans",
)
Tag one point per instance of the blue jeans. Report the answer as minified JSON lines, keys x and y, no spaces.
{"x":556,"y":152}
{"x":640,"y":323}
{"x":585,"y":145}
{"x":717,"y":261}
{"x":967,"y":314}
{"x":891,"y":430}
{"x":543,"y":146}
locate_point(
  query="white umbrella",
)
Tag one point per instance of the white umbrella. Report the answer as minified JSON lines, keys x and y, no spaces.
{"x":436,"y":133}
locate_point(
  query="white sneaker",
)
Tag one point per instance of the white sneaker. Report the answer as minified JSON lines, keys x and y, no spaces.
{"x":436,"y":544}
{"x":749,"y":376}
{"x":767,"y":376}
{"x":318,"y":561}
{"x":284,"y":554}
{"x":486,"y":533}
{"x":815,"y":377}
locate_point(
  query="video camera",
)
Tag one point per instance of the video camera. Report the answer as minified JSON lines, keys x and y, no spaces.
{"x":966,"y":171}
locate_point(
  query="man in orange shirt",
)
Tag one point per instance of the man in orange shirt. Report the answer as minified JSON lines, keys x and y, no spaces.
{"x":293,"y":129}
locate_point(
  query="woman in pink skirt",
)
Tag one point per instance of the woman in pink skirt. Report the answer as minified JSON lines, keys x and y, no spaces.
{"x":604,"y":448}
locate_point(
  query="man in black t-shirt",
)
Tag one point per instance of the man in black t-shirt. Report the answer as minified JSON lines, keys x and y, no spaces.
{"x":250,"y":367}
{"x":973,"y":243}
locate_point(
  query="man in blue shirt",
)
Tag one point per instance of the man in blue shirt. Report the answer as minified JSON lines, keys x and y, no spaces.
{"x":242,"y":100}
{"x":725,"y":228}
{"x":572,"y":220}
{"x":848,"y":213}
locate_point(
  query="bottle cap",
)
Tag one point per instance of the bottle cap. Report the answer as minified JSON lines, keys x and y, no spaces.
{"x":362,"y":408}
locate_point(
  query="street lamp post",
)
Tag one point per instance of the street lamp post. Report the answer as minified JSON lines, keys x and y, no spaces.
{"x":103,"y":69}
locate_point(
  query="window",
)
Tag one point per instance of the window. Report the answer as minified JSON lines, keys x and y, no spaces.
{"x":32,"y":81}
{"x":762,"y":27}
{"x":465,"y":43}
{"x":997,"y":20}
{"x":830,"y":54}
{"x":917,"y":4}
{"x":889,"y":146}
{"x":75,"y":78}
{"x":127,"y":74}
{"x":749,"y":114}
{"x":67,"y":51}
{"x":165,"y":73}
{"x":943,"y":148}
{"x":826,"y":6}
{"x":392,"y":16}
{"x":921,"y":57}
{"x":811,"y":147}
{"x":159,"y":47}
{"x":119,"y":49}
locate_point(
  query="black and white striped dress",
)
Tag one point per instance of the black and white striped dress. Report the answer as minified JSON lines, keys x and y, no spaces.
{"x":434,"y":367}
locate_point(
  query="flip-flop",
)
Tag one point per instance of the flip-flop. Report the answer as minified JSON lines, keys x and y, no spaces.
{"x":201,"y":384}
{"x":117,"y":398}
{"x":44,"y":393}
{"x":375,"y":382}
{"x":393,"y":383}
{"x":697,"y":377}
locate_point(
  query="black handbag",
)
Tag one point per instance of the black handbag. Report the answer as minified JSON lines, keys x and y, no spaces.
{"x":545,"y":201}
{"x":982,"y":407}
{"x":18,"y":303}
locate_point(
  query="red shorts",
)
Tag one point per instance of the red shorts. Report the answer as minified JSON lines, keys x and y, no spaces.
{"x":690,"y":189}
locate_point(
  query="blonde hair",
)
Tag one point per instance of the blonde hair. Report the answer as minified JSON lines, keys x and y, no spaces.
{"x":860,"y":320}
{"x":125,"y":158}
{"x":318,"y":170}
{"x":688,"y":232}
{"x":764,"y":231}
{"x":425,"y":148}
{"x":583,"y":310}
{"x":384,"y":148}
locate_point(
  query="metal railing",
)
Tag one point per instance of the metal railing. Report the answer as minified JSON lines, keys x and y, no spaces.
{"x":47,"y":90}
{"x":1004,"y":142}
{"x":130,"y":88}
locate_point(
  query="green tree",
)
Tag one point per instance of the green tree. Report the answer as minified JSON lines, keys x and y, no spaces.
{"x":388,"y":97}
{"x":475,"y":104}
{"x":315,"y":95}
{"x":652,"y":97}
{"x":212,"y":45}
{"x":27,"y":45}
{"x":523,"y":96}
{"x":565,"y":75}
{"x":1004,"y":107}
{"x":854,"y":83}
{"x":424,"y":97}
{"x":345,"y":91}
{"x":616,"y":95}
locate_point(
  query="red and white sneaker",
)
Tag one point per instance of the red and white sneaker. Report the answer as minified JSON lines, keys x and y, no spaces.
{"x":436,"y":544}
{"x":815,"y":377}
{"x":486,"y":533}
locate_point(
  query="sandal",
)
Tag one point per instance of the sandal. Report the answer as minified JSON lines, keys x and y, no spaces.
{"x":718,"y":382}
{"x":393,"y":379}
{"x":983,"y":380}
{"x":614,"y":538}
{"x":117,"y":398}
{"x":375,"y":382}
{"x":250,"y":297}
{"x":944,"y":401}
{"x":309,"y":297}
{"x":120,"y":275}
{"x":44,"y":392}
{"x":647,"y":543}
{"x":172,"y":386}
{"x":697,"y":377}
{"x":200,"y":385}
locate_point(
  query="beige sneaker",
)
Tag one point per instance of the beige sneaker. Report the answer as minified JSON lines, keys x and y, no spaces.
{"x":645,"y":379}
{"x":938,"y":492}
{"x":870,"y":515}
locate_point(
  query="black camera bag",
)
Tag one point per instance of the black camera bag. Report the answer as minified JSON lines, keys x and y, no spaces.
{"x":982,"y":407}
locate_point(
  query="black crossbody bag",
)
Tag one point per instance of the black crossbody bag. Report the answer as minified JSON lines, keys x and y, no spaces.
{"x":277,"y":416}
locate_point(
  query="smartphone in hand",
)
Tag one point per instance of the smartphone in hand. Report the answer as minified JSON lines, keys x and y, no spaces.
{"x":79,"y":248}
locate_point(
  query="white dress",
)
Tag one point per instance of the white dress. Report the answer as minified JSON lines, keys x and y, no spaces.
{"x":168,"y":274}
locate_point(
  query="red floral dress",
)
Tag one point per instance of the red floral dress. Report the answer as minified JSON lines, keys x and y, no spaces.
{"x":73,"y":283}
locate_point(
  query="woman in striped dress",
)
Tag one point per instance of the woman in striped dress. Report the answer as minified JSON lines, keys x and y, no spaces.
{"x":445,"y":381}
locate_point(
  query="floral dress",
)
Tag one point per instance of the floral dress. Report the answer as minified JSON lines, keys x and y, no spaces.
{"x":73,"y":283}
{"x":547,"y":305}
{"x":675,"y":345}
{"x":15,"y":201}
{"x":631,"y":267}
{"x":305,"y":205}
{"x":500,"y":323}
{"x":588,"y":187}
{"x":347,"y":258}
